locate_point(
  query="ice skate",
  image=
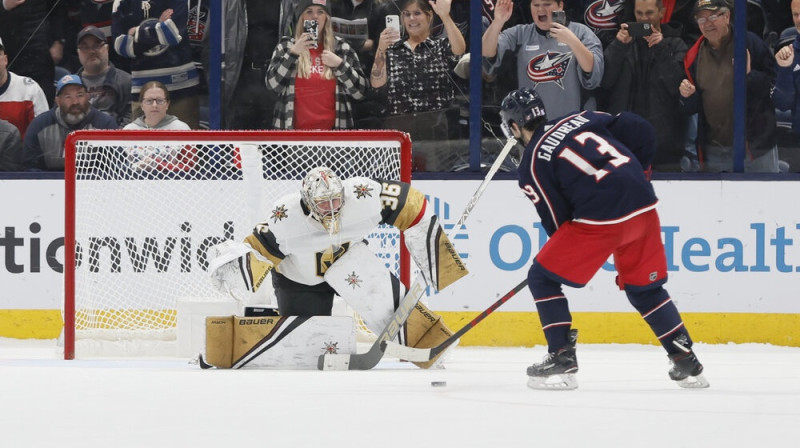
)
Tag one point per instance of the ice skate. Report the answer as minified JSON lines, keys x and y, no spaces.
{"x":557,"y":370}
{"x":686,"y":369}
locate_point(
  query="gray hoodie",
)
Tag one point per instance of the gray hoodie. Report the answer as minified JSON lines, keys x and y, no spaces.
{"x":169,"y":123}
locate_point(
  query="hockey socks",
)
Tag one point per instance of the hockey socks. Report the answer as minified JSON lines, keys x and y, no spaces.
{"x":552,"y":307}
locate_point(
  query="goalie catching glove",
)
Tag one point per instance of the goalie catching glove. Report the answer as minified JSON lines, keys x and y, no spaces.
{"x":237,"y":266}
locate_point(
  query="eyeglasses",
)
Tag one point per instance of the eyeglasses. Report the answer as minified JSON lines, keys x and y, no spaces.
{"x":88,"y":48}
{"x":159,"y":101}
{"x":711,"y":18}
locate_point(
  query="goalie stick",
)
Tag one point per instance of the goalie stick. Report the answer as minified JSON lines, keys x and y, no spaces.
{"x":426,"y":354}
{"x":370,"y":358}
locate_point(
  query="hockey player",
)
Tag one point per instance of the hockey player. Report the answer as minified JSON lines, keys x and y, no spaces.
{"x":588,"y":176}
{"x":313,"y":243}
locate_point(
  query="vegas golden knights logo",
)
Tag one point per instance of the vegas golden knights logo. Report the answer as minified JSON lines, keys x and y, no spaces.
{"x":327,"y":258}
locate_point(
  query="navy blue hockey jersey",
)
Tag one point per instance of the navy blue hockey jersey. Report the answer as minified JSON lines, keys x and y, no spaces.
{"x":588,"y":167}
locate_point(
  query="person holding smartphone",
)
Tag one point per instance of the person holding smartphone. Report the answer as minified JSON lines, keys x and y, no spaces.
{"x":411,"y":74}
{"x":643,"y":69}
{"x":315,"y":74}
{"x":561,"y":61}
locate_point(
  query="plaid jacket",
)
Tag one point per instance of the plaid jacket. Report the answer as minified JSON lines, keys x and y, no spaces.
{"x":350,"y":83}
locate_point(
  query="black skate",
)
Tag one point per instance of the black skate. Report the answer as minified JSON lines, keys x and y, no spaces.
{"x":686,"y":369}
{"x":557,"y":370}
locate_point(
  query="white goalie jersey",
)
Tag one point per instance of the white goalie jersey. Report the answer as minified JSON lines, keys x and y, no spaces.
{"x":300,"y":247}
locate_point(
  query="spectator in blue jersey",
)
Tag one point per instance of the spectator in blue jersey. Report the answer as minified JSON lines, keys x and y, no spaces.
{"x":708,"y":91}
{"x":154,"y":35}
{"x":642,"y":75}
{"x":587,"y":174}
{"x":43,"y":147}
{"x":561,"y":62}
{"x":787,"y":86}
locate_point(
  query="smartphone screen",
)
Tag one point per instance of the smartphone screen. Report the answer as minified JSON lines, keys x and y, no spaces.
{"x":310,"y":27}
{"x":639,"y":29}
{"x":560,"y":17}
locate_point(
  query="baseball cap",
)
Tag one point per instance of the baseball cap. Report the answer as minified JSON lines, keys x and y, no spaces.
{"x":306,"y":3}
{"x":710,"y":5}
{"x":67,"y":80}
{"x":92,"y":31}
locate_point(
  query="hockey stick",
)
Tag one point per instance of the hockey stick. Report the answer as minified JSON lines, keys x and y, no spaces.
{"x":370,"y":358}
{"x":426,"y":354}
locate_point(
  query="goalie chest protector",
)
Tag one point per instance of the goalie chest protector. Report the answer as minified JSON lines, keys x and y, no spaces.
{"x":304,"y":240}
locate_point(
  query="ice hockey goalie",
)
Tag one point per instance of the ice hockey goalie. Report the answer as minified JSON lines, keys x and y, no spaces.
{"x":313,"y":243}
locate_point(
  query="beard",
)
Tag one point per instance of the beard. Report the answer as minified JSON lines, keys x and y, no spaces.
{"x":74,"y":115}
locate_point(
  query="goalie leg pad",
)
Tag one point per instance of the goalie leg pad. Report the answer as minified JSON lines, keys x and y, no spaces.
{"x":425,"y":329}
{"x":363,"y":281}
{"x":276,"y":342}
{"x":434,"y":254}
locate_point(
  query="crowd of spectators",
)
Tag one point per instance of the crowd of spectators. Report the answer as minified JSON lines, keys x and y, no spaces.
{"x":78,"y":64}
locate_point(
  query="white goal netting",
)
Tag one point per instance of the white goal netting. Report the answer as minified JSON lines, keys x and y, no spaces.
{"x":144,"y":207}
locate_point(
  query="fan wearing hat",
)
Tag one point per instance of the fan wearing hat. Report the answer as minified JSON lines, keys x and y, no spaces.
{"x":787,"y":86}
{"x":43,"y":147}
{"x":708,"y":91}
{"x":315,"y":74}
{"x":109,"y":88}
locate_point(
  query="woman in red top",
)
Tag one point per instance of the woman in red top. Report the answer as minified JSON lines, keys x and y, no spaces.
{"x":315,"y":79}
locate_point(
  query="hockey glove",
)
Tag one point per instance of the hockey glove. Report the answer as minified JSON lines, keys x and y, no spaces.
{"x":237,"y":266}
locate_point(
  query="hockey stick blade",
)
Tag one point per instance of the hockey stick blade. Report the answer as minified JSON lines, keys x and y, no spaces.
{"x":203,"y":364}
{"x":370,"y":358}
{"x":426,"y":354}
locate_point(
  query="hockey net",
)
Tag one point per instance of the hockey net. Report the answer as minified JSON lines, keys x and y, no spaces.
{"x":143,"y":207}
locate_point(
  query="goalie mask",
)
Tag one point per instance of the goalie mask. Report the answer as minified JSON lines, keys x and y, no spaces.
{"x":521,"y":106}
{"x":323,"y":194}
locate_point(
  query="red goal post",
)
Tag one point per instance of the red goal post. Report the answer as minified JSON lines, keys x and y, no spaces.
{"x":142,"y":208}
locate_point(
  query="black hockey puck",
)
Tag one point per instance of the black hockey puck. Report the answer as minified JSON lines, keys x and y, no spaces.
{"x":438,"y":383}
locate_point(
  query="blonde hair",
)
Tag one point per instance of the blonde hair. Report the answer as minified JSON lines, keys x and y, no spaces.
{"x":304,"y":61}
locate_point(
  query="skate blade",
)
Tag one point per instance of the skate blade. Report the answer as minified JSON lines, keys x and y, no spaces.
{"x":694,"y":382}
{"x":564,"y":381}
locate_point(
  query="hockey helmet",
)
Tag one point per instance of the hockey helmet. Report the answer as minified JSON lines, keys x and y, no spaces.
{"x":323,"y":193}
{"x":520,"y":106}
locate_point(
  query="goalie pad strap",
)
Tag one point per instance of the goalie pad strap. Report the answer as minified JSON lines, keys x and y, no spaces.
{"x":434,"y":254}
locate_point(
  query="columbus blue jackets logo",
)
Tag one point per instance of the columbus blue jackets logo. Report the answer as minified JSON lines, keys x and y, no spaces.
{"x":362,"y":191}
{"x":549,"y":67}
{"x":279,"y":213}
{"x":602,"y":14}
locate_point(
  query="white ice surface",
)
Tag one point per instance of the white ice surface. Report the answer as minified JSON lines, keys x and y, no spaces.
{"x":625,"y":399}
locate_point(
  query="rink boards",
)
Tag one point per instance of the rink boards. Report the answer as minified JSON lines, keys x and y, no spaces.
{"x":732,"y":253}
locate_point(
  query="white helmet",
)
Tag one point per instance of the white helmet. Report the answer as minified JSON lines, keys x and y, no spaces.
{"x":323,"y":194}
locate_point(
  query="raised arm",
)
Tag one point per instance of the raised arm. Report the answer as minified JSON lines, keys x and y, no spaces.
{"x":502,"y":12}
{"x":442,"y":9}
